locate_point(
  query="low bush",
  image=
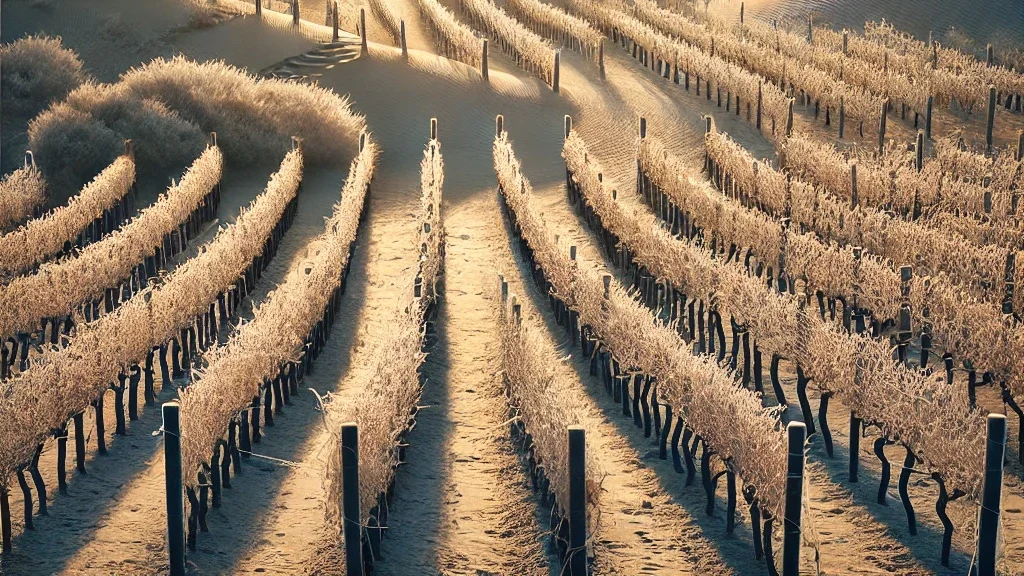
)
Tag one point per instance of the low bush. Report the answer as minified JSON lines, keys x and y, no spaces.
{"x":37,"y":70}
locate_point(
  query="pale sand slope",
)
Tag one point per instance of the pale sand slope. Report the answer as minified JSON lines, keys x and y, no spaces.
{"x":243,"y":41}
{"x":459,"y":505}
{"x":994,"y":21}
{"x":110,"y":36}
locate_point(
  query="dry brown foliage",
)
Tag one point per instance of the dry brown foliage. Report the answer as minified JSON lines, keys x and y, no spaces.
{"x":752,"y":445}
{"x":964,"y":317}
{"x":387,"y":18}
{"x":829,"y":59}
{"x":20,"y":192}
{"x":41,"y":238}
{"x":385,"y":408}
{"x":903,"y":403}
{"x":976,"y":270}
{"x":256,"y":351}
{"x":689,"y":57}
{"x":545,"y":402}
{"x":531,"y":52}
{"x":825,"y":266}
{"x":37,"y":70}
{"x":58,"y":288}
{"x":451,"y":37}
{"x":775,"y":66}
{"x":247,"y":112}
{"x":65,"y":381}
{"x":557,"y":25}
{"x":954,"y":76}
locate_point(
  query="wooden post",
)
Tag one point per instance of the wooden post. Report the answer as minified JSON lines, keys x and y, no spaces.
{"x":483,"y":62}
{"x":362,"y":32}
{"x":881,"y":126}
{"x":259,"y":7}
{"x":433,"y":128}
{"x":846,"y":42}
{"x":789,"y":118}
{"x":174,"y":492}
{"x":554,"y":81}
{"x":758,"y":105}
{"x":991,"y":500}
{"x":405,"y":46}
{"x":334,"y":22}
{"x":1020,"y":146}
{"x":797,"y":433}
{"x":499,"y":125}
{"x":741,"y":13}
{"x":577,"y":502}
{"x":855,"y":425}
{"x":920,"y":150}
{"x":295,"y":12}
{"x":352,"y":527}
{"x":600,"y":57}
{"x":643,"y":127}
{"x":991,"y":119}
{"x":80,"y":441}
{"x":810,"y":29}
{"x":988,"y":56}
{"x":842,"y":115}
{"x":568,"y":125}
{"x":928,"y":117}
{"x":5,"y":520}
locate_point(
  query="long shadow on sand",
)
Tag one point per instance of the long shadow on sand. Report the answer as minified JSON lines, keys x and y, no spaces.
{"x":925,"y":546}
{"x":91,"y":495}
{"x":75,"y":517}
{"x":236,"y":525}
{"x":416,"y":510}
{"x":736,"y":551}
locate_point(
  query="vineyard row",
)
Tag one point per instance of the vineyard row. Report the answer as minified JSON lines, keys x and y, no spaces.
{"x":528,"y":50}
{"x":701,"y":392}
{"x":68,"y":291}
{"x":101,"y":206}
{"x":64,"y":383}
{"x":21,"y":193}
{"x":264,"y":360}
{"x":851,"y":367}
{"x":385,"y":410}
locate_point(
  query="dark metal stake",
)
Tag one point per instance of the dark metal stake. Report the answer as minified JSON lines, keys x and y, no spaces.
{"x":577,"y":502}
{"x":991,"y":500}
{"x":173,"y":488}
{"x":855,"y":426}
{"x":797,"y":433}
{"x":352,"y":528}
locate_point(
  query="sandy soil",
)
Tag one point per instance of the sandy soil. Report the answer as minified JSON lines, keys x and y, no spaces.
{"x":463,"y":503}
{"x":996,"y":21}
